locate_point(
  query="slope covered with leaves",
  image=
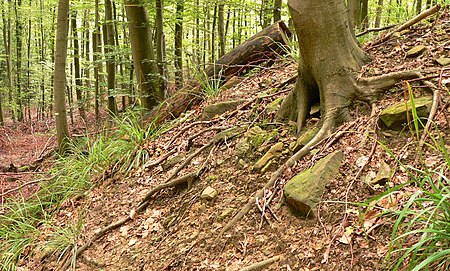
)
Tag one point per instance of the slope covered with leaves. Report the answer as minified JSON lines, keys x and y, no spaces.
{"x":181,"y":230}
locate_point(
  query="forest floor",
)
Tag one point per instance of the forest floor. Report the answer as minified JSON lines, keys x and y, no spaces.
{"x":181,"y":231}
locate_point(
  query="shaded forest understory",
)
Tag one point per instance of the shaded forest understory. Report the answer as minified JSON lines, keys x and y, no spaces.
{"x":181,"y":226}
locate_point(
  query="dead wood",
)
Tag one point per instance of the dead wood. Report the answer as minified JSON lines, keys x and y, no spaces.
{"x":369,"y":30}
{"x":263,"y":264}
{"x":409,"y":23}
{"x":266,"y":45}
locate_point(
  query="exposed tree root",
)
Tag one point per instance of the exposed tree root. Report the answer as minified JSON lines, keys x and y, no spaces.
{"x":144,"y":203}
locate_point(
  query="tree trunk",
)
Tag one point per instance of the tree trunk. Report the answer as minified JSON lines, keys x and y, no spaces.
{"x":257,"y":49}
{"x":261,"y":47}
{"x":221,"y":29}
{"x":179,"y":45}
{"x":379,"y":13}
{"x":329,"y":63}
{"x":277,"y":5}
{"x":418,"y":6}
{"x":160,"y":48}
{"x":365,"y":14}
{"x":96,"y":52}
{"x":111,"y":65}
{"x":76,"y":60}
{"x":354,"y":12}
{"x":60,"y":76}
{"x":19,"y":29}
{"x":143,"y":54}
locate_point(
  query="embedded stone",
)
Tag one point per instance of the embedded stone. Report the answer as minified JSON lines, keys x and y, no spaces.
{"x":209,"y":193}
{"x":383,"y":174}
{"x":416,"y":51}
{"x":274,"y":151}
{"x":305,"y":137}
{"x":303,"y":192}
{"x":443,"y":61}
{"x":217,"y":109}
{"x":396,"y":116}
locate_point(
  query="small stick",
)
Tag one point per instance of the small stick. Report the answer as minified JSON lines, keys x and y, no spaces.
{"x":185,"y":129}
{"x":150,"y":164}
{"x":22,"y":186}
{"x":263,"y":264}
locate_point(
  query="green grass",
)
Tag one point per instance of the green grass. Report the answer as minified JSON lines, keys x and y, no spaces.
{"x":420,"y":237}
{"x":24,"y":224}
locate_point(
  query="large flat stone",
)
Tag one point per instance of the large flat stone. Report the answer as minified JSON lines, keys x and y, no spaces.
{"x":395,"y":117}
{"x":218,"y":109}
{"x":303,"y":192}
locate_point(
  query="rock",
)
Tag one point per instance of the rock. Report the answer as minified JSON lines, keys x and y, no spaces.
{"x":209,"y":193}
{"x":242,"y":148}
{"x":274,"y":151}
{"x":173,"y":161}
{"x":303,"y":192}
{"x":395,"y":117}
{"x":273,"y":106}
{"x":233,"y":81}
{"x":443,"y":61}
{"x":213,"y":110}
{"x":225,"y":213}
{"x":383,"y":174}
{"x":305,"y":137}
{"x":416,"y":51}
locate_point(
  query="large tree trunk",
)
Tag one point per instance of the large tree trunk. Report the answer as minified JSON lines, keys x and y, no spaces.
{"x":330,"y":61}
{"x":110,"y":62}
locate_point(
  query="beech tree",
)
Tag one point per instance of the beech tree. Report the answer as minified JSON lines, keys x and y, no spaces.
{"x":60,"y":75}
{"x":329,"y":64}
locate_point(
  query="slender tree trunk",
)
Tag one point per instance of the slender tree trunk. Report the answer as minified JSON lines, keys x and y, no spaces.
{"x":60,"y":75}
{"x":277,"y":5}
{"x":143,"y":54}
{"x":221,"y":29}
{"x":42,"y":58}
{"x":110,"y":63}
{"x":354,"y":10}
{"x":96,"y":52}
{"x":19,"y":30}
{"x":379,"y":13}
{"x":87,"y":57}
{"x":160,"y":55}
{"x":365,"y":14}
{"x":418,"y":6}
{"x":27,"y":90}
{"x":179,"y":45}
{"x":213,"y":35}
{"x":77,"y":71}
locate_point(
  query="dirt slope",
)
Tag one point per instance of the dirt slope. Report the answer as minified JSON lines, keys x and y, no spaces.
{"x":180,"y":231}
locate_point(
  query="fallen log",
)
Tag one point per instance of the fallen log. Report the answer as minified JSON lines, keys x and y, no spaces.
{"x":266,"y":45}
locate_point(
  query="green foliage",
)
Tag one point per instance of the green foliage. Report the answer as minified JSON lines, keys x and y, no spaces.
{"x":210,"y":85}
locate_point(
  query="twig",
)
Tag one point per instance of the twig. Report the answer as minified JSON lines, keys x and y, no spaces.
{"x":214,"y":128}
{"x":375,"y":29}
{"x":23,"y":185}
{"x":434,"y":107}
{"x":263,"y":264}
{"x":263,"y":213}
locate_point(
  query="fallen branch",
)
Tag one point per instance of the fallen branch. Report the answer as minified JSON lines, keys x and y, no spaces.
{"x":150,"y":164}
{"x":177,"y":135}
{"x":378,"y":29}
{"x":409,"y":23}
{"x":22,"y":186}
{"x":262,"y":264}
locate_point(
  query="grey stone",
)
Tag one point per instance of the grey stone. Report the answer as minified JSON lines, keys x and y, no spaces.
{"x":416,"y":51}
{"x":209,"y":193}
{"x":218,"y":109}
{"x":303,"y":192}
{"x":395,"y":117}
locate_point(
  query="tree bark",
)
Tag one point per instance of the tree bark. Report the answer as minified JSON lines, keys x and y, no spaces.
{"x":76,"y":60}
{"x":261,"y":47}
{"x":257,"y":49}
{"x":329,"y":64}
{"x":19,"y":29}
{"x":179,"y":45}
{"x":110,"y":62}
{"x":379,"y":13}
{"x":221,"y":29}
{"x":277,"y":5}
{"x":160,"y":46}
{"x":60,"y":75}
{"x":143,"y":54}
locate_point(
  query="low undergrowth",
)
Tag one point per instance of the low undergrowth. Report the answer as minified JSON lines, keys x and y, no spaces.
{"x":26,"y":226}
